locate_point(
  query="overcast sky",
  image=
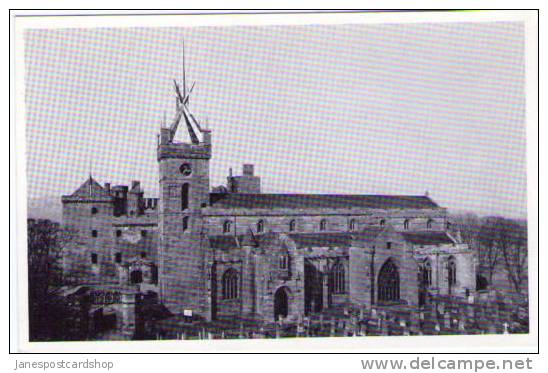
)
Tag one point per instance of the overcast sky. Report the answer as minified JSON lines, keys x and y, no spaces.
{"x":357,"y":109}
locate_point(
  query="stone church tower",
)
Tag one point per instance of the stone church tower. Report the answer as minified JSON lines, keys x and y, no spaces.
{"x":184,"y":192}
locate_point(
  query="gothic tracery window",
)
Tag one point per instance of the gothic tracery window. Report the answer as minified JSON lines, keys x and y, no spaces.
{"x":451,"y":272}
{"x":406,"y":224}
{"x":338,"y":275}
{"x":426,"y":273}
{"x":388,"y":282}
{"x":429,"y":224}
{"x":230,"y":284}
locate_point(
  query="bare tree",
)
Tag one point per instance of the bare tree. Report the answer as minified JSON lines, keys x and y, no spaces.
{"x":488,"y":250}
{"x":45,"y":241}
{"x":512,"y":239}
{"x":467,"y":227}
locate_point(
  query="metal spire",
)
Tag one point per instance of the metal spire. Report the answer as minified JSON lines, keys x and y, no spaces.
{"x":90,"y":178}
{"x":184,"y":71}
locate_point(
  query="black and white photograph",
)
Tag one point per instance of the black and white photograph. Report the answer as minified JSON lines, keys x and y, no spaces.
{"x":277,"y":180}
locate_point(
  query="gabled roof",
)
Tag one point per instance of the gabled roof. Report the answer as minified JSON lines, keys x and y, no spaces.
{"x":225,"y":242}
{"x":427,"y":238}
{"x":318,"y":201}
{"x":136,"y":189}
{"x":368,"y":234}
{"x":326,"y":239}
{"x":90,"y":189}
{"x":249,"y":239}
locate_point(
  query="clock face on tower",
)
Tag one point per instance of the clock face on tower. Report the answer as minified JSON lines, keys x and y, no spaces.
{"x":185,"y":169}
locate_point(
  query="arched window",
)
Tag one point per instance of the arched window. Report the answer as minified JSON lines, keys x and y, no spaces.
{"x":382,"y":223}
{"x":448,"y":225}
{"x":94,"y":210}
{"x":184,"y":196}
{"x":230,"y":284}
{"x":292,"y":225}
{"x":429,"y":224}
{"x":323,"y":225}
{"x":339,"y":283}
{"x":185,"y":223}
{"x":388,"y":282}
{"x":118,"y":257}
{"x":352,"y":225}
{"x":406,"y":224}
{"x":260,"y":226}
{"x":426,"y":273}
{"x":451,"y":272}
{"x":227,"y":226}
{"x":283,"y":261}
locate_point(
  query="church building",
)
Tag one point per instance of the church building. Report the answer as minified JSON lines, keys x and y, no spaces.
{"x":233,"y":251}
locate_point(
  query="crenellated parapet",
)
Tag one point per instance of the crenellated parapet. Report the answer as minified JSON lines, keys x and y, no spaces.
{"x":184,"y":150}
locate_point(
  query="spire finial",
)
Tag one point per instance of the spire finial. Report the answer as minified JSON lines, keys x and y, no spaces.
{"x":90,"y":178}
{"x":184,"y":71}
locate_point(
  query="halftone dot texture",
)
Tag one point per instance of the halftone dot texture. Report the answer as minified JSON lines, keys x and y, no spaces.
{"x":349,"y":109}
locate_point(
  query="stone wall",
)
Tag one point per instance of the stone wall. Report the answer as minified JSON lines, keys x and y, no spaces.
{"x":182,"y":253}
{"x":308,"y":220}
{"x":365,"y":256}
{"x":105,"y":235}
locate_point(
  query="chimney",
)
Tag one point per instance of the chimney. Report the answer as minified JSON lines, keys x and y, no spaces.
{"x":206,"y":136}
{"x":135,"y":184}
{"x":165,"y":134}
{"x":107,"y":187}
{"x":248,"y":170}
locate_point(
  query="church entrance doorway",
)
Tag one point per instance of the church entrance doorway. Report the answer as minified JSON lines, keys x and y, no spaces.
{"x":103,"y":321}
{"x":281,"y":303}
{"x":313,"y":289}
{"x":389,"y":283}
{"x":136,"y":276}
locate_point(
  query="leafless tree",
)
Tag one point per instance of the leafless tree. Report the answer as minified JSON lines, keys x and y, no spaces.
{"x":512,"y":239}
{"x":488,"y":250}
{"x":45,"y":242}
{"x":467,"y":227}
